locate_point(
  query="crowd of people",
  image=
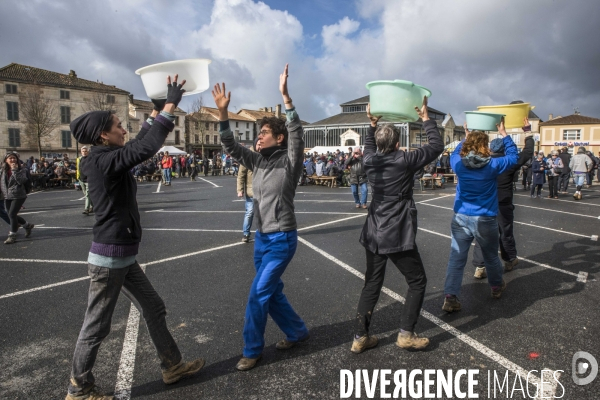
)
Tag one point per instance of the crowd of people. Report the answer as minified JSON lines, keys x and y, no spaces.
{"x":267,"y":177}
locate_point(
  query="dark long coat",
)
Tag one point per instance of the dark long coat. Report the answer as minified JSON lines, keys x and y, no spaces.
{"x":391,"y":225}
{"x":539,"y":176}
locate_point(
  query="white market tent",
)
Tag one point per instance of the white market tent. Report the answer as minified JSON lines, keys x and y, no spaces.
{"x":173,"y":151}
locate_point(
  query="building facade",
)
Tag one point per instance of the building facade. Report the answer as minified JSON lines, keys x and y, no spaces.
{"x":572,"y":131}
{"x":140,"y":110}
{"x":66,"y":96}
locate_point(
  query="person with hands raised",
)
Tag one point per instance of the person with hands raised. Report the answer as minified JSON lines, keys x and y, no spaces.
{"x":390,"y":229}
{"x":276,"y":169}
{"x":476,"y":209}
{"x":117,"y":233}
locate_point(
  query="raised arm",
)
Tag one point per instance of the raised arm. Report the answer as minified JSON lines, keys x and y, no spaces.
{"x":246,"y":157}
{"x":293,"y":126}
{"x":502,"y":164}
{"x":370,"y":145}
{"x":527,"y":152}
{"x":424,"y":155}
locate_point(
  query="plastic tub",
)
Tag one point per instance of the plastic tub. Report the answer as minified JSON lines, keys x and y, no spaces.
{"x":396,"y":100}
{"x":194,"y":71}
{"x":482,"y":121}
{"x":514,"y":113}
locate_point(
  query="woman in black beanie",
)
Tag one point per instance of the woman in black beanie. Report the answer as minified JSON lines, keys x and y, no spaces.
{"x":112,"y":263}
{"x":15,"y":183}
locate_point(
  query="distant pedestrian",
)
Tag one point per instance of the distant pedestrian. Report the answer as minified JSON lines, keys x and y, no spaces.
{"x":563,"y":179}
{"x":580,"y":165}
{"x":538,"y":168}
{"x":167,"y":164}
{"x":15,"y":183}
{"x":83,"y":182}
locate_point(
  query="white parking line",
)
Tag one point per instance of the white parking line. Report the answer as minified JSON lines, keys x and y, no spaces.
{"x":83,"y":198}
{"x":242,"y":211}
{"x":483,"y":349}
{"x":581,"y":276}
{"x":43,"y":261}
{"x":206,"y":180}
{"x":43,"y":287}
{"x":568,"y":201}
{"x":557,"y":211}
{"x":591,"y":237}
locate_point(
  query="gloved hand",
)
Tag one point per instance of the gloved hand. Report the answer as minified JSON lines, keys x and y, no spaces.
{"x":174,"y":92}
{"x":159,"y":104}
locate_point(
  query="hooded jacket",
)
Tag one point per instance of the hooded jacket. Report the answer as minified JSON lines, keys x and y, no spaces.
{"x":476,"y":192}
{"x":13,"y":187}
{"x":274,"y":178}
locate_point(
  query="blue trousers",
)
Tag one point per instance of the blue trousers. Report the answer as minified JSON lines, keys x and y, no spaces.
{"x":364,"y":191}
{"x":272,"y":254}
{"x":464,"y":230}
{"x":249,"y":216}
{"x":167,"y":175}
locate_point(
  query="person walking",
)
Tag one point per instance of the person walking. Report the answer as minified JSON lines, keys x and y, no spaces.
{"x":563,"y":180}
{"x":205,"y":165}
{"x":244,"y":190}
{"x":505,"y":216}
{"x":15,"y":183}
{"x":538,"y":168}
{"x":391,"y":226}
{"x":555,"y":167}
{"x":117,"y":233}
{"x":276,"y":170}
{"x":193,"y":167}
{"x":166,"y":164}
{"x":590,"y":174}
{"x":581,"y":165}
{"x":358,"y":177}
{"x":82,"y":178}
{"x":475,"y":211}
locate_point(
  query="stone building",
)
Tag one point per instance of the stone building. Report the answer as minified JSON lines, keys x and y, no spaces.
{"x":572,"y":132}
{"x":140,"y":110}
{"x":67,"y":95}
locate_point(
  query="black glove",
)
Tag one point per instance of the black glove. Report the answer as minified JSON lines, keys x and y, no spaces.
{"x":174,"y":93}
{"x":159,"y":104}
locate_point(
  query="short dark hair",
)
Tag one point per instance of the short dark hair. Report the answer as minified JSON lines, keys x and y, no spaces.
{"x":277,"y":126}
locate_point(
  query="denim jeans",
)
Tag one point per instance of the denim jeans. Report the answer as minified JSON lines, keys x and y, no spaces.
{"x":167,"y":175}
{"x":464,"y":230}
{"x":363,"y":193}
{"x":105,"y":286}
{"x":272,"y":254}
{"x":249,"y":215}
{"x":579,"y":180}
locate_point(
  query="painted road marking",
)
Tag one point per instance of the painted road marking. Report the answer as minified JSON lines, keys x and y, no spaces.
{"x":44,"y":287}
{"x":206,"y":180}
{"x":581,"y":276}
{"x":504,"y":362}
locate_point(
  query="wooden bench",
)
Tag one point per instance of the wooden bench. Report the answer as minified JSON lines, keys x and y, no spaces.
{"x":451,"y":176}
{"x":330,"y":181}
{"x":432,"y":182}
{"x":59,"y":180}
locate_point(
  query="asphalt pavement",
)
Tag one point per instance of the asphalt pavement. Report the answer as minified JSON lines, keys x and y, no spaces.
{"x":193,"y":255}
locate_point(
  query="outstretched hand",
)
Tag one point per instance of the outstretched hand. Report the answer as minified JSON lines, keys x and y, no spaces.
{"x":283,"y":82}
{"x":526,"y":125}
{"x":372,"y":118}
{"x":501,"y":129}
{"x":466,"y":129}
{"x":174,"y":91}
{"x":423,"y":112}
{"x":222,"y":99}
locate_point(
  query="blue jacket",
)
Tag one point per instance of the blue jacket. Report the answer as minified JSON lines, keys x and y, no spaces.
{"x":476,"y":192}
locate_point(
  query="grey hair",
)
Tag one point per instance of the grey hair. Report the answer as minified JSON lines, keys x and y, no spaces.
{"x":357,"y":148}
{"x":84,"y":148}
{"x":387,"y":137}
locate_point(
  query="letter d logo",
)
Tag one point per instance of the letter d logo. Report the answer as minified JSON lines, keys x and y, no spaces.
{"x":580,"y":367}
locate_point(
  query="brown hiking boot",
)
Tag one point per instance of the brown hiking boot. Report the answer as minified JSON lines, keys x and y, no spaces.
{"x":246,"y":363}
{"x":451,"y":304}
{"x":480,"y":273}
{"x":497,"y":290}
{"x":95,"y":393}
{"x":363,"y":343}
{"x":182,"y":370}
{"x":410,"y":340}
{"x":286,"y":344}
{"x":509,"y":265}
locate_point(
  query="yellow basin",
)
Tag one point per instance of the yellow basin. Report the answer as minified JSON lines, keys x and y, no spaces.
{"x":514,"y":113}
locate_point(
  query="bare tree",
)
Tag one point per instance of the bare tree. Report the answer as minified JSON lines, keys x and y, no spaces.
{"x":100,"y":101}
{"x":39,"y":115}
{"x":197,"y":121}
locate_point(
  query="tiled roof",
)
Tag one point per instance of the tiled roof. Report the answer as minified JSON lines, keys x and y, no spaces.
{"x":574,"y":119}
{"x":23,"y":73}
{"x":147,"y":105}
{"x":256,"y":115}
{"x":214,"y":113}
{"x":531,"y":115}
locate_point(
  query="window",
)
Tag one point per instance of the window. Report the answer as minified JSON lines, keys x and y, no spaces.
{"x":236,"y":124}
{"x":196,"y":138}
{"x":65,"y":95}
{"x":196,"y":125}
{"x":206,"y":125}
{"x":110,"y":99}
{"x":573,"y":134}
{"x":247,"y":125}
{"x":216,"y":139}
{"x":247,"y":135}
{"x":177,"y":137}
{"x":11,"y":89}
{"x":353,"y":109}
{"x":66,"y":138}
{"x":65,"y":115}
{"x":177,"y":121}
{"x":146,"y":116}
{"x":216,"y":127}
{"x":207,"y":139}
{"x":14,"y":137}
{"x":12,"y":110}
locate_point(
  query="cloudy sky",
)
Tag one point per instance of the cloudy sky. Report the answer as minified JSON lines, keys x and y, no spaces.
{"x":467,"y":52}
